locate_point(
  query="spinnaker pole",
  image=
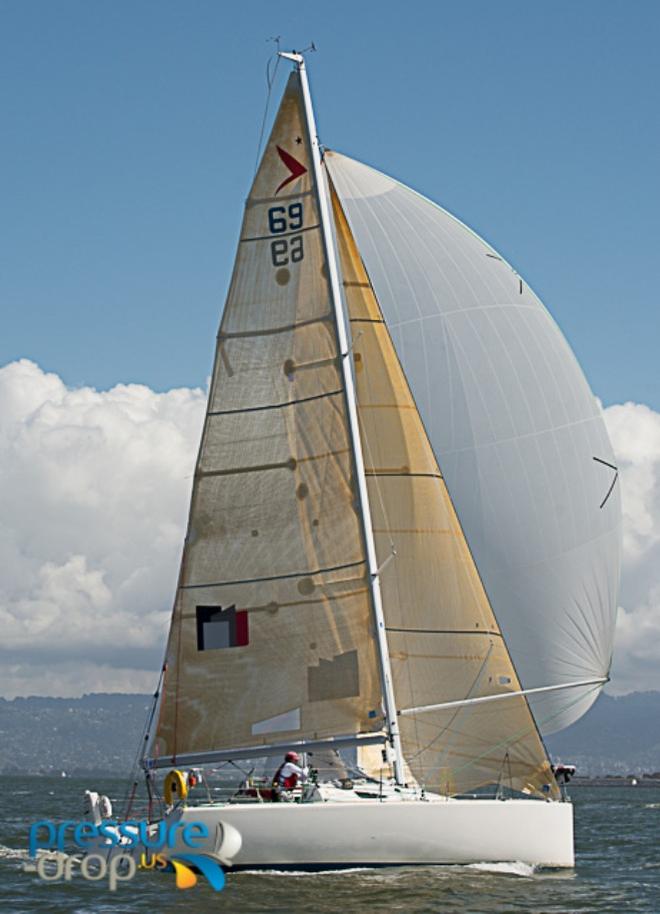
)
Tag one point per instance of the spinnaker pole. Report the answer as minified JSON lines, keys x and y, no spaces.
{"x":354,"y":428}
{"x":465,"y":702}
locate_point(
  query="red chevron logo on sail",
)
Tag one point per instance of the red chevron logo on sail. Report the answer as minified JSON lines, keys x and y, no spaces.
{"x":296,"y":168}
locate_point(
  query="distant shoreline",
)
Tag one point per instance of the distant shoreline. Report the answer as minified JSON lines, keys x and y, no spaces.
{"x":622,"y":781}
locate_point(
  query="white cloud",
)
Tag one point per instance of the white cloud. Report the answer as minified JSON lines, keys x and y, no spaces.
{"x":94,"y":488}
{"x":73,"y":678}
{"x":635,"y":433}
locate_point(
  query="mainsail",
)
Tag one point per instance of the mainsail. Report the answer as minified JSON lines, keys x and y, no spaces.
{"x":443,"y":638}
{"x":271,"y":635}
{"x":517,"y":432}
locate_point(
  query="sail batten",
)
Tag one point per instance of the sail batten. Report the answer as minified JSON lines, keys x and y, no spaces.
{"x":256,"y":409}
{"x":276,"y":577}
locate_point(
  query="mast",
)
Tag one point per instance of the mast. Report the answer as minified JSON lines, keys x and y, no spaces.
{"x":354,"y":430}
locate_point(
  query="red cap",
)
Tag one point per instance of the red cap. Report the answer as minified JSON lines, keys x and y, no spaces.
{"x":292,"y":757}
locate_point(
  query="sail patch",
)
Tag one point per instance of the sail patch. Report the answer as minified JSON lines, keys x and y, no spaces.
{"x":336,"y":678}
{"x":281,"y":723}
{"x":218,"y":627}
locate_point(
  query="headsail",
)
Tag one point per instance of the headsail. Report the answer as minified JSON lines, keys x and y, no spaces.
{"x":271,"y":636}
{"x":518,"y":434}
{"x":443,"y":638}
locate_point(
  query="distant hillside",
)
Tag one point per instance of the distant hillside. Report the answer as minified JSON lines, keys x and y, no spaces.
{"x":93,"y":734}
{"x":99,"y":734}
{"x":616,"y":736}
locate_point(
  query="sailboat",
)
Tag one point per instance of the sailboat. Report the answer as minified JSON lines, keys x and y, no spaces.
{"x":404,"y":533}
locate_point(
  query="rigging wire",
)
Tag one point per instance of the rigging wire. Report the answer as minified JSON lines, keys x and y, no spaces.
{"x":513,"y":738}
{"x":447,"y":728}
{"x":270,"y":79}
{"x":506,"y":762}
{"x":132,"y":786}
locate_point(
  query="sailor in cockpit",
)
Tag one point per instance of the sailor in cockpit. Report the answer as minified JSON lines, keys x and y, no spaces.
{"x":287,"y":776}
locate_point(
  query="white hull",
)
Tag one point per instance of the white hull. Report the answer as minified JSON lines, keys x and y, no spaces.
{"x":371,"y":833}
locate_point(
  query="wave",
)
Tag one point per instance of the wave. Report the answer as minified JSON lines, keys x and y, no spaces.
{"x":332,"y":872}
{"x":22,"y":853}
{"x":13,"y":853}
{"x":514,"y":868}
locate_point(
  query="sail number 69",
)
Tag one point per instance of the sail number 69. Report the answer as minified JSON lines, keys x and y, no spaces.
{"x":286,"y":219}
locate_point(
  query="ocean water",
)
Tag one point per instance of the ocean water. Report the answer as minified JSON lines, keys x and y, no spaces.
{"x":617,"y":869}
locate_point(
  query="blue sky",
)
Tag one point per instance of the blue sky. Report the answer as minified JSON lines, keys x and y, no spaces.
{"x":128,"y":139}
{"x":130,"y":133}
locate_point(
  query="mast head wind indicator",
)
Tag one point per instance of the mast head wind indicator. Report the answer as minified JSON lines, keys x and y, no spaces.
{"x":297,"y":56}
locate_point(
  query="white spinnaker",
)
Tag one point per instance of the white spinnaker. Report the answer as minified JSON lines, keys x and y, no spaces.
{"x":517,"y":432}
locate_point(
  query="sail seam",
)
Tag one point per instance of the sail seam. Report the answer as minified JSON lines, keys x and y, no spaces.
{"x":400,"y":407}
{"x":275,"y":577}
{"x":290,"y":604}
{"x":271,"y":331}
{"x":465,"y":310}
{"x":289,"y":464}
{"x":256,"y":409}
{"x":256,"y":201}
{"x":307,"y":228}
{"x":400,"y":473}
{"x":444,"y":631}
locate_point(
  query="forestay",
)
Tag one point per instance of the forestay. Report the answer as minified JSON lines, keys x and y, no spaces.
{"x":516,"y":431}
{"x":271,"y":638}
{"x":444,"y":641}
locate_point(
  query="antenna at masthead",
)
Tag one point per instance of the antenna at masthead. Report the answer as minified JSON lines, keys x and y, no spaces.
{"x":296,"y":56}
